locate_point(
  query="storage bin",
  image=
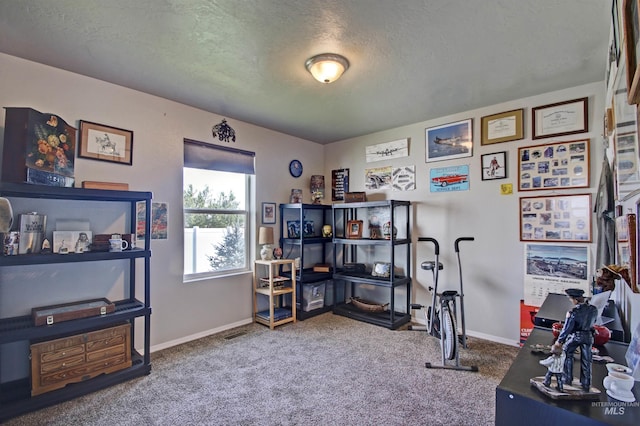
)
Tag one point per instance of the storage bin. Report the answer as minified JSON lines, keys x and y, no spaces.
{"x":313,"y":296}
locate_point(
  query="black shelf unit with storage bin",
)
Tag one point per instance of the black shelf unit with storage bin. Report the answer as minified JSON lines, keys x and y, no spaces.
{"x":314,"y":293}
{"x":358,"y":254}
{"x":15,"y":394}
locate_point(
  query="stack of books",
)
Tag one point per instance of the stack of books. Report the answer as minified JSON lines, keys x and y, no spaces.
{"x":278,"y":314}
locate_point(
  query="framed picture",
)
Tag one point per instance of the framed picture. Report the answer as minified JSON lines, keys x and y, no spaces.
{"x":627,"y":253}
{"x":554,"y":166}
{"x":447,"y":179}
{"x":556,"y":218}
{"x":503,"y":127}
{"x":105,"y":143}
{"x":631,"y":37}
{"x":449,"y":141}
{"x":354,"y":229}
{"x":268,"y":213}
{"x":494,"y":166}
{"x":562,"y":118}
{"x":627,"y":172}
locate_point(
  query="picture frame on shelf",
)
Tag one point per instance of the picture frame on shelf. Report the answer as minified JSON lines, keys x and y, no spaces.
{"x":555,"y":165}
{"x":381,"y":269}
{"x":494,"y":166}
{"x":502,"y":127}
{"x":556,"y":218}
{"x":560,"y":118}
{"x":354,"y":229}
{"x":631,"y":37}
{"x":268,"y":213}
{"x":449,"y":141}
{"x":105,"y":143}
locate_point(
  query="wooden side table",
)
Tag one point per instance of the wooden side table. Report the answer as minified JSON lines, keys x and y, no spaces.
{"x":275,"y":287}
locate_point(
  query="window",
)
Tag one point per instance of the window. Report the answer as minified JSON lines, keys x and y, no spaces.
{"x":216,"y":205}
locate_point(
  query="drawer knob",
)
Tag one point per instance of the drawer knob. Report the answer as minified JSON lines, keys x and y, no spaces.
{"x":64,"y":364}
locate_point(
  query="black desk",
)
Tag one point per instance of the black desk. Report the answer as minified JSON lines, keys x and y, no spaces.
{"x":555,"y":307}
{"x":517,"y":402}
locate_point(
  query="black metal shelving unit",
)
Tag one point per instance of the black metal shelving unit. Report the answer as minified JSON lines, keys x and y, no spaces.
{"x":306,"y":275}
{"x":15,"y":396}
{"x":347,"y":251}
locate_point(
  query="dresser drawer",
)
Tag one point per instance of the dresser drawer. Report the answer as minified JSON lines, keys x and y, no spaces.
{"x":61,"y":354}
{"x":48,"y":367}
{"x":56,"y":363}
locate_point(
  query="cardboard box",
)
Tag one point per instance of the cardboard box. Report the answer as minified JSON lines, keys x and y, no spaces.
{"x":38,"y":148}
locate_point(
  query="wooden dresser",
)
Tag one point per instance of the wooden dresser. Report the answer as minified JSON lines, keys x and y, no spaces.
{"x":56,"y":363}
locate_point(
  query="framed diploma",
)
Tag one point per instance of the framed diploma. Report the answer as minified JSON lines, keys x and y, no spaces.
{"x":562,"y":118}
{"x":503,"y":127}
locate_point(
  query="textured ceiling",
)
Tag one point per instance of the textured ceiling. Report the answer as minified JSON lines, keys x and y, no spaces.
{"x":411,"y":60}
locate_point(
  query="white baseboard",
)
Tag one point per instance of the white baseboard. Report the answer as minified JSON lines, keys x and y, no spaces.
{"x":200,"y":335}
{"x":479,"y":335}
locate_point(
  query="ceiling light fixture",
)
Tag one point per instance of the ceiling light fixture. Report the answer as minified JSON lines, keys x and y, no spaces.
{"x":327,"y":67}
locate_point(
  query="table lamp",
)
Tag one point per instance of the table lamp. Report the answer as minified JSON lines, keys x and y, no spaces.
{"x":265,"y":237}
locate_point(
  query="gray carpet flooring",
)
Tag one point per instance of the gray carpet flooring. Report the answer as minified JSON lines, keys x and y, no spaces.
{"x":327,"y":370}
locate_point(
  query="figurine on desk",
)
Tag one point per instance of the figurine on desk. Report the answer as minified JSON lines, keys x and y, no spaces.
{"x":578,"y":332}
{"x":555,"y":367}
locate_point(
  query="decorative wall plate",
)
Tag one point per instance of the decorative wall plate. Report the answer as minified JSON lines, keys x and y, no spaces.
{"x":295,"y":168}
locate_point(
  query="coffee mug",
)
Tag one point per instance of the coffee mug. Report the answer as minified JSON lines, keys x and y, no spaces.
{"x":118,"y":245}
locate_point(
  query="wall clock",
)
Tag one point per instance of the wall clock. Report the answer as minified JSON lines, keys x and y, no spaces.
{"x":295,"y":168}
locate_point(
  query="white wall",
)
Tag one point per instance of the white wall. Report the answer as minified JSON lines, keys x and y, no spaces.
{"x":180,"y":310}
{"x":493,"y":265}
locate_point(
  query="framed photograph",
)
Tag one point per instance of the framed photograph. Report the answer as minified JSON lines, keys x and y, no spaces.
{"x":268,"y":213}
{"x":494,"y":166}
{"x":631,"y":37}
{"x":71,"y":241}
{"x":554,"y":166}
{"x":556,"y":218}
{"x":381,"y":269}
{"x":562,"y":118}
{"x":627,"y":172}
{"x":354,"y":229}
{"x":627,"y":253}
{"x":105,"y":143}
{"x":449,"y":141}
{"x":503,"y":127}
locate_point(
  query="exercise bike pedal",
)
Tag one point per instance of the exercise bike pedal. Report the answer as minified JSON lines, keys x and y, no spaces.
{"x":416,"y":306}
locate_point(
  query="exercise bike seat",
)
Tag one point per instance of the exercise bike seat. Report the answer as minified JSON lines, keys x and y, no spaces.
{"x":449,"y":294}
{"x":430,"y":265}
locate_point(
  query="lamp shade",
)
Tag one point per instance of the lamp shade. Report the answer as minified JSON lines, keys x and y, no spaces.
{"x":327,"y":67}
{"x":265,"y":235}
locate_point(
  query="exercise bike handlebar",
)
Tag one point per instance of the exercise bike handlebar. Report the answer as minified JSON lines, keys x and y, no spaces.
{"x":435,"y":243}
{"x":456,"y":244}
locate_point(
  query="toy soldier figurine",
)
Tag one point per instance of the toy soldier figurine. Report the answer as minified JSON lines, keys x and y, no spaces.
{"x":578,"y":332}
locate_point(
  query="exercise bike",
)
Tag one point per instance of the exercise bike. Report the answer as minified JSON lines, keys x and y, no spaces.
{"x":441,"y":316}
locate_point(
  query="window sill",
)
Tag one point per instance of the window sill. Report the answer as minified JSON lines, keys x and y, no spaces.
{"x":215,"y":277}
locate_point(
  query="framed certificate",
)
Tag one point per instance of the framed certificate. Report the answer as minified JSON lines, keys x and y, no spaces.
{"x":503,"y":127}
{"x":562,"y":118}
